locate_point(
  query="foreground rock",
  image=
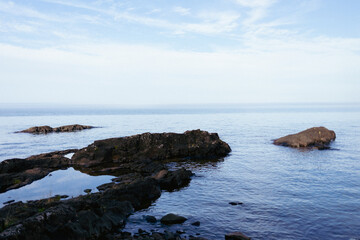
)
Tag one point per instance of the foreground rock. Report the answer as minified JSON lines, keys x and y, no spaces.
{"x":317,"y":137}
{"x":47,"y":129}
{"x":15,"y":173}
{"x":143,"y":235}
{"x":88,"y":216}
{"x":139,"y":164}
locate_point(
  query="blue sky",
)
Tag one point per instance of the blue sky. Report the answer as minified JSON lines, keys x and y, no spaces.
{"x":179,"y":52}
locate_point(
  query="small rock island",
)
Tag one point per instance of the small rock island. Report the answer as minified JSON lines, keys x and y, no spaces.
{"x":316,"y":137}
{"x":48,"y":129}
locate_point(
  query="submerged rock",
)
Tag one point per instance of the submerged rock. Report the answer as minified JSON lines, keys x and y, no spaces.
{"x":150,"y":219}
{"x":317,"y":137}
{"x":172,"y":219}
{"x":48,"y":129}
{"x":197,"y":224}
{"x":236,"y":236}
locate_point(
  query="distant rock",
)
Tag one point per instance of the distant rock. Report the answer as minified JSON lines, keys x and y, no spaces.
{"x":235,"y":203}
{"x":48,"y":129}
{"x":236,"y":236}
{"x":172,"y":219}
{"x":316,"y":137}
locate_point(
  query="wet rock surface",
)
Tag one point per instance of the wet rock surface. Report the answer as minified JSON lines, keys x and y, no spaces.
{"x":144,"y":235}
{"x":172,"y":219}
{"x":139,"y":166}
{"x":316,"y":137}
{"x":140,"y":151}
{"x":48,"y":129}
{"x":15,"y":173}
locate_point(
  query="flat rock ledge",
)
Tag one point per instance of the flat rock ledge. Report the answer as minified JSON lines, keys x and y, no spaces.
{"x":48,"y":129}
{"x":316,"y":137}
{"x":139,"y":164}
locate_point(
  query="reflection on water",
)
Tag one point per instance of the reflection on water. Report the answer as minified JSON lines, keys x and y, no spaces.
{"x":62,"y":182}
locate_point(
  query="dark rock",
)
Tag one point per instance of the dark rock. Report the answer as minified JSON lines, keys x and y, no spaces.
{"x":105,"y":186}
{"x":197,"y":224}
{"x":8,"y":202}
{"x":64,"y":196}
{"x":150,"y":219}
{"x":318,"y":137}
{"x":87,"y":191}
{"x":196,"y":238}
{"x":236,"y":236}
{"x":83,"y":217}
{"x":172,"y":219}
{"x":38,"y":130}
{"x":72,"y":128}
{"x":235,"y":203}
{"x":194,"y":144}
{"x":175,"y":180}
{"x":48,"y":129}
{"x":15,"y":173}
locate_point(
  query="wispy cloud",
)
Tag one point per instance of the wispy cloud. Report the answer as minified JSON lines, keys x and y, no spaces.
{"x":256,"y":3}
{"x":210,"y":22}
{"x":181,"y":10}
{"x":23,"y":11}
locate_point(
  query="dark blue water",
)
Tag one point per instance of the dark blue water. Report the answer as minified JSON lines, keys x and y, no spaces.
{"x":286,"y":193}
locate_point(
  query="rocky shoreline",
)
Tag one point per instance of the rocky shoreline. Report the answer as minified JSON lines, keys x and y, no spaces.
{"x":138,"y":164}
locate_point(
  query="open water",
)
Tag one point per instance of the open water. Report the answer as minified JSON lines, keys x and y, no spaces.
{"x":286,"y":193}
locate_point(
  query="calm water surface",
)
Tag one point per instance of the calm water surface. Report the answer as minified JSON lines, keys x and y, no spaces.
{"x":286,"y":193}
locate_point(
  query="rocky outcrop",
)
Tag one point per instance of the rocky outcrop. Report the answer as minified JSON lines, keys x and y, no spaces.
{"x":84,"y":217}
{"x":48,"y":129}
{"x":136,"y":152}
{"x":15,"y":173}
{"x":144,"y":154}
{"x":316,"y":137}
{"x":139,"y":164}
{"x":153,"y":235}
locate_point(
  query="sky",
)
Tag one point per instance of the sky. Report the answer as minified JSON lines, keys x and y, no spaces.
{"x":132,"y":52}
